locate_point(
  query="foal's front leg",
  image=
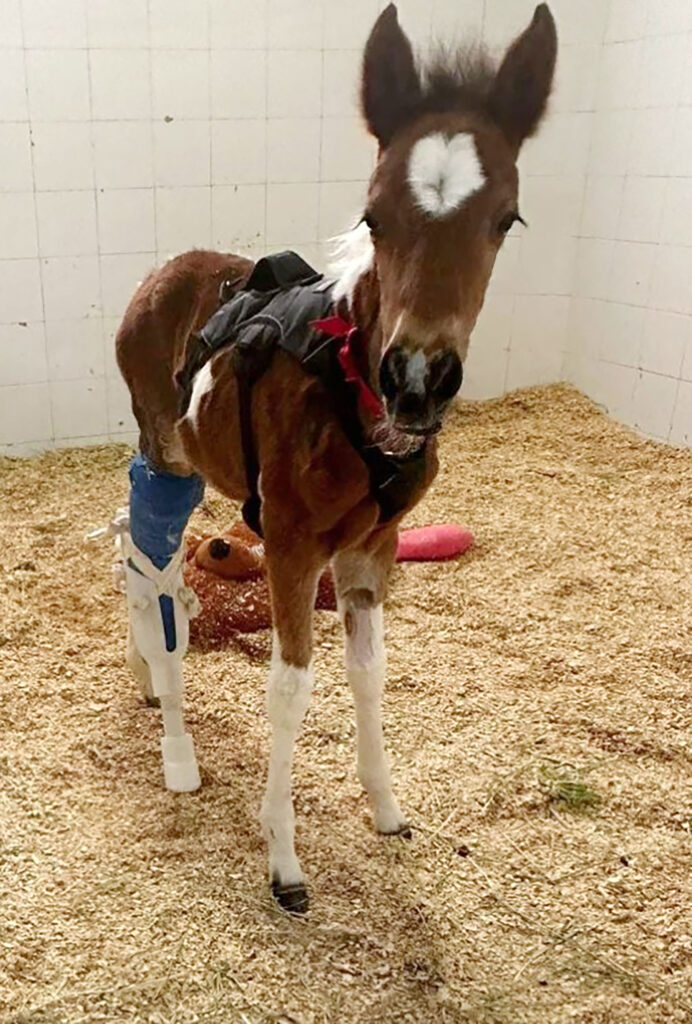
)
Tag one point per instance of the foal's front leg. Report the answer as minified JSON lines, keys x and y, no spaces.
{"x":361,"y":580}
{"x":293,"y":582}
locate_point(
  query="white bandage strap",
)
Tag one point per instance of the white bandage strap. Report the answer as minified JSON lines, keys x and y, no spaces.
{"x":180,"y":769}
{"x":166,"y":581}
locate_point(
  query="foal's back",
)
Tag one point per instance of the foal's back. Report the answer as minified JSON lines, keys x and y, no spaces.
{"x":169,"y":304}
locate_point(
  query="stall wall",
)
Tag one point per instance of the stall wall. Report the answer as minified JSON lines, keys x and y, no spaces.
{"x":630,"y":318}
{"x":521,"y":337}
{"x":134,"y":130}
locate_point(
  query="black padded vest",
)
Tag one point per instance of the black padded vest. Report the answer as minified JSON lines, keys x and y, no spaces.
{"x":276,"y":308}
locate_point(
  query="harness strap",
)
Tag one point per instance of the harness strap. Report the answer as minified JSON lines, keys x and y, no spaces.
{"x":252,"y":505}
{"x":349,"y":357}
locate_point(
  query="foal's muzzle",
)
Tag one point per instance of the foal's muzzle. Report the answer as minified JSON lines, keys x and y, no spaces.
{"x":416,"y":389}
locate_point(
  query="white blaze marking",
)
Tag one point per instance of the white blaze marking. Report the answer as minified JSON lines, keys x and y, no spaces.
{"x":416,"y":369}
{"x":203,"y":383}
{"x":444,"y":172}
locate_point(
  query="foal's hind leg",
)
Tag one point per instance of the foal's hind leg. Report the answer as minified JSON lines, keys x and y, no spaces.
{"x":159,"y":606}
{"x":361,"y":580}
{"x":139,"y":668}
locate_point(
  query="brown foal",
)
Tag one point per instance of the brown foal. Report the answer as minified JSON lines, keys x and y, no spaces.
{"x":412,"y":279}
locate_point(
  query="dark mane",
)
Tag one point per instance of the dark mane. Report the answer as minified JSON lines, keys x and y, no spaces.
{"x":456,"y":79}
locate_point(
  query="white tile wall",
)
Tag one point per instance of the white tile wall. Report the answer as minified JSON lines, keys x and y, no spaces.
{"x":79,"y":407}
{"x":681,"y":429}
{"x":120,"y":275}
{"x":71,"y":287}
{"x":238,"y":152}
{"x":130,"y":131}
{"x":58,"y":85}
{"x":527,"y":309}
{"x":238,"y":84}
{"x":10,"y":13}
{"x":179,"y":23}
{"x":238,"y":215}
{"x":15,"y":166}
{"x":66,"y":223}
{"x":183,"y":218}
{"x":63,"y":156}
{"x":292,"y":214}
{"x":181,"y":152}
{"x":22,"y":354}
{"x":303,"y":69}
{"x":180,"y":84}
{"x":25,"y":415}
{"x":346,"y":26}
{"x":112,"y":26}
{"x":17,"y":226}
{"x":230,"y":28}
{"x":126,"y":220}
{"x":123,"y":155}
{"x":75,"y":349}
{"x":293,"y":149}
{"x":630,"y":333}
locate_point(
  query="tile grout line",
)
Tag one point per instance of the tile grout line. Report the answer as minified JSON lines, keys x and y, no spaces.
{"x":152,"y":133}
{"x":319,"y":244}
{"x":92,"y":144}
{"x":212,"y":235}
{"x":265,"y":33}
{"x":584,"y":185}
{"x":39,"y":261}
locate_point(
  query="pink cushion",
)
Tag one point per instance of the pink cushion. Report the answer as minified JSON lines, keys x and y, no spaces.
{"x":433,"y":543}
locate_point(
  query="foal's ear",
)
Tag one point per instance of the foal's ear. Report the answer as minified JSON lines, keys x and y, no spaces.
{"x":390,"y":86}
{"x":519,"y":95}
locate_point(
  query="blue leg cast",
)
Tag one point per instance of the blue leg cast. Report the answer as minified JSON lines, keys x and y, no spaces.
{"x":160,"y":605}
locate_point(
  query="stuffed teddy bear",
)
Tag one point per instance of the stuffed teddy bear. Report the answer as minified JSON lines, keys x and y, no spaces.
{"x":227,"y":573}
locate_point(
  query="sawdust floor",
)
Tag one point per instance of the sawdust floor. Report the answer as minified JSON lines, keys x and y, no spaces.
{"x":539,"y":718}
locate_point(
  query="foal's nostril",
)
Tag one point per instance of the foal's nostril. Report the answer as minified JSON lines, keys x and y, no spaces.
{"x":409,"y":403}
{"x":446,"y":375}
{"x":393,"y":372}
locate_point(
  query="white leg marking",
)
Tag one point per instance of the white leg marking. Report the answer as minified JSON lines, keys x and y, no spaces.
{"x":416,"y":371}
{"x":288,"y":697}
{"x":365,"y":669}
{"x":443,"y":173}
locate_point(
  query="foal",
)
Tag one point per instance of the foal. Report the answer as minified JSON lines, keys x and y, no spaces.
{"x":406,"y":297}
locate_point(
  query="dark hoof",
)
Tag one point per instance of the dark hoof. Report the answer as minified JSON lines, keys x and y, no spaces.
{"x":291,"y":898}
{"x":152,"y":702}
{"x":404,"y":832}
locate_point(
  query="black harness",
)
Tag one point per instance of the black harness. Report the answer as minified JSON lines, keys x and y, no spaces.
{"x":277,"y":308}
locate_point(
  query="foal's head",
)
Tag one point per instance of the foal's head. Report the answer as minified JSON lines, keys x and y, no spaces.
{"x":441,"y":200}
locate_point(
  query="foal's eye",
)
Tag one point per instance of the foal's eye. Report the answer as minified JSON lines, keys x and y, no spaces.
{"x":508,"y":220}
{"x":372,"y":223}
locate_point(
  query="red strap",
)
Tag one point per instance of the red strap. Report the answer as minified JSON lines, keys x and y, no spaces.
{"x":334,"y":325}
{"x":337,"y":327}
